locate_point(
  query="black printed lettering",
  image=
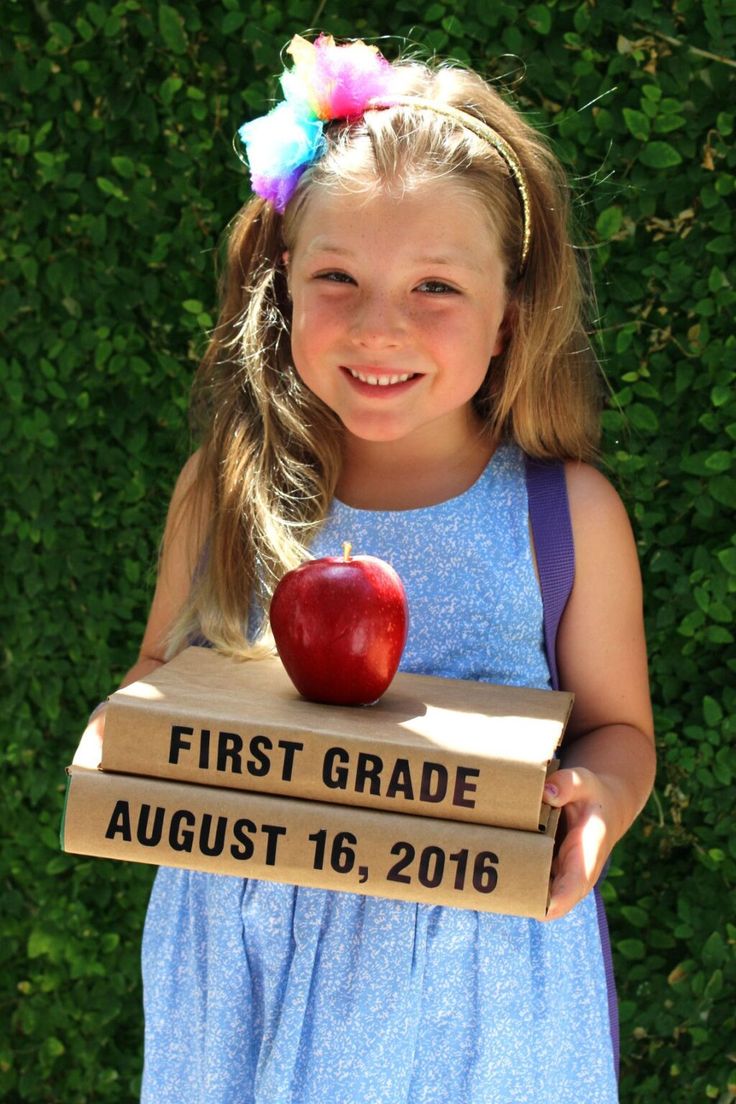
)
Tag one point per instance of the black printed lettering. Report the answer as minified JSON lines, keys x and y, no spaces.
{"x":229,"y":748}
{"x":177,"y":742}
{"x":400,"y":781}
{"x":434,"y":782}
{"x":152,"y":838}
{"x":120,"y":822}
{"x":182,"y":839}
{"x":260,"y":764}
{"x":290,"y":747}
{"x":204,"y":749}
{"x":273,"y":833}
{"x":463,"y":786}
{"x":334,"y":768}
{"x":207,"y":845}
{"x":368,"y":769}
{"x":242,"y":830}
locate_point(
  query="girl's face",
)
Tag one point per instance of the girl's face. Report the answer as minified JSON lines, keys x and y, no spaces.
{"x":398,"y":305}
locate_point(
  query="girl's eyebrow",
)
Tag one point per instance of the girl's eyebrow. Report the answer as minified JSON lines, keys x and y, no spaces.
{"x":321,"y":245}
{"x":452,"y":259}
{"x":456,"y":259}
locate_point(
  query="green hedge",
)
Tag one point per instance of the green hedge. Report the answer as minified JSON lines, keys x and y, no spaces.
{"x":118,"y":179}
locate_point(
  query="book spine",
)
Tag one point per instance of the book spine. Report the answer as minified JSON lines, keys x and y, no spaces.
{"x":343,"y":770}
{"x":307,"y":843}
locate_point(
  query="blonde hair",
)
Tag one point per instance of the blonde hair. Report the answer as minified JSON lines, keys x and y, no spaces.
{"x":271,"y":450}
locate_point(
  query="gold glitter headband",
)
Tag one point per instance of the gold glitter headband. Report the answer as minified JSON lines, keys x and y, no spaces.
{"x":488,"y":134}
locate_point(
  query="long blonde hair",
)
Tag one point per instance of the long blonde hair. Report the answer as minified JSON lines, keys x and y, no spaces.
{"x":271,"y":451}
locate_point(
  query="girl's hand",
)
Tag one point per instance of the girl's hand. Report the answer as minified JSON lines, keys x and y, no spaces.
{"x":89,"y":752}
{"x":588,"y":804}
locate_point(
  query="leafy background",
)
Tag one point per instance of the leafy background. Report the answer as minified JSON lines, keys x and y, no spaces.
{"x":118,"y":179}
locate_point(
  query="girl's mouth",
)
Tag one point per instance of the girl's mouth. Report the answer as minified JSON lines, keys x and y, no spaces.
{"x":384,"y":380}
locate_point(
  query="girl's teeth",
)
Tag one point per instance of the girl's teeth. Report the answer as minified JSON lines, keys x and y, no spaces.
{"x":381,"y":381}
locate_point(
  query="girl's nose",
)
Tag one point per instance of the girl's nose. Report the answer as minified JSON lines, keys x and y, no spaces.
{"x":378,"y":321}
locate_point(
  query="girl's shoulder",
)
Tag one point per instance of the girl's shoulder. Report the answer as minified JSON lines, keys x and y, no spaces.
{"x":597,"y":511}
{"x":186,"y":529}
{"x":601,"y":648}
{"x":190,"y":504}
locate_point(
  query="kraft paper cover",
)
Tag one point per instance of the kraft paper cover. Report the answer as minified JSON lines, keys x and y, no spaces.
{"x":432,"y":747}
{"x":308,"y":843}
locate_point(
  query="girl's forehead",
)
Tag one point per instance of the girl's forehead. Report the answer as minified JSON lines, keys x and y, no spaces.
{"x":438,"y":219}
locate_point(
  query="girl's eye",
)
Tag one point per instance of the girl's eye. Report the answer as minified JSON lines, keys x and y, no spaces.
{"x":335,"y":277}
{"x":436,"y":287}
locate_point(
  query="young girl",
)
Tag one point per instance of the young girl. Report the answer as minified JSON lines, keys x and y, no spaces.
{"x":401,"y":324}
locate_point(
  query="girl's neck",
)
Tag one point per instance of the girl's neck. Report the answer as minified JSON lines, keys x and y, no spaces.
{"x":403,"y":475}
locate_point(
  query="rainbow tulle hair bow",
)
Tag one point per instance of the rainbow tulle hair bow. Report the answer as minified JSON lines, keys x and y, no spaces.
{"x":326,"y":82}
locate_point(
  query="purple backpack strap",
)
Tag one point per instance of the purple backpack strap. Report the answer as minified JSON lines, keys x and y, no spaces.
{"x":549,"y":516}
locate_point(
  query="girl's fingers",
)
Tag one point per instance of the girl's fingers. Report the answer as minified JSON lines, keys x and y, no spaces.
{"x":584,"y":849}
{"x":569,"y":784}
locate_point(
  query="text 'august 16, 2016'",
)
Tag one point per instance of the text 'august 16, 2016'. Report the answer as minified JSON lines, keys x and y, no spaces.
{"x":430,"y":866}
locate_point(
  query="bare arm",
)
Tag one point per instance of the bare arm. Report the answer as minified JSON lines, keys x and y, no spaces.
{"x":609,"y":758}
{"x":182,"y":544}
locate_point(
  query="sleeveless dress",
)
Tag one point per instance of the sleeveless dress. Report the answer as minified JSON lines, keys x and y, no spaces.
{"x":262,"y":993}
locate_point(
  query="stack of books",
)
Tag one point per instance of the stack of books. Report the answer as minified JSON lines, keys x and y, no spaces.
{"x":433,"y":794}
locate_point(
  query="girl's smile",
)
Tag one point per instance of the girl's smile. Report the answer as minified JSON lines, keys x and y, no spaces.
{"x":378,"y":383}
{"x":398,"y":305}
{"x":380,"y":380}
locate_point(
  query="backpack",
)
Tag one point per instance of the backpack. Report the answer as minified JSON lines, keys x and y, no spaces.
{"x":549,"y":516}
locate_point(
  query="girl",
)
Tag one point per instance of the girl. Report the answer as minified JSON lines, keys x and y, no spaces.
{"x":401,"y":323}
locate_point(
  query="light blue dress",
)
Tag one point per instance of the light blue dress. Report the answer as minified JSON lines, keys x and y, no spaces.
{"x":258,"y":993}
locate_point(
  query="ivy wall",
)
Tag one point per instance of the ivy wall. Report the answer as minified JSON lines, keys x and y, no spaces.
{"x":118,"y":178}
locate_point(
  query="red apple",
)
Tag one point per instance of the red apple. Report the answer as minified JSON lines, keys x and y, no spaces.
{"x":340,"y":627}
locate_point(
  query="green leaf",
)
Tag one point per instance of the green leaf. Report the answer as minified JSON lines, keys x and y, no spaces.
{"x":660,"y":155}
{"x":170,"y":87}
{"x":727,"y":558}
{"x":539,"y":18}
{"x":609,"y":222}
{"x":632,"y":949}
{"x":715,"y":634}
{"x":642,"y":417}
{"x":171,"y":26}
{"x":720,"y":395}
{"x":53,"y":1047}
{"x":124,"y":166}
{"x":719,"y":461}
{"x":636,"y":916}
{"x":62,"y":34}
{"x":714,"y":950}
{"x":637,"y":123}
{"x":712,"y":711}
{"x":723,"y":490}
{"x":724,"y":122}
{"x":722,"y":245}
{"x":109,"y":187}
{"x":41,"y":944}
{"x":232,"y":22}
{"x":665,"y":124}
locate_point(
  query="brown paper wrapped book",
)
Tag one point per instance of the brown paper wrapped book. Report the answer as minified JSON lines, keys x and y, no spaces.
{"x":431,"y":746}
{"x":433,"y":794}
{"x":308,"y":843}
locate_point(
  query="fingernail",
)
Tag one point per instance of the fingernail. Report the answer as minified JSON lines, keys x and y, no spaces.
{"x":550,"y":790}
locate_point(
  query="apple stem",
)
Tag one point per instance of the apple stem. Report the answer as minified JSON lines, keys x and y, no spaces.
{"x":346,"y":548}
